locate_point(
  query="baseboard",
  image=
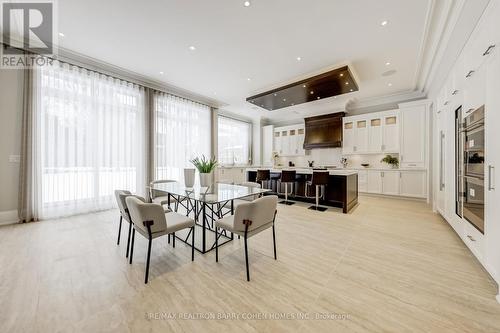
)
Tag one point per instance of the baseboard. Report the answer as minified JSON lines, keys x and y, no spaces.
{"x":8,"y":217}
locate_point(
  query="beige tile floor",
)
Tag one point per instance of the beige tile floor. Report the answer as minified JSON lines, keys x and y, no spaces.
{"x":389,"y":266}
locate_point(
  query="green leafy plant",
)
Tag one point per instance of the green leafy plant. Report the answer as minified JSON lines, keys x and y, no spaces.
{"x":203,"y":164}
{"x":394,"y":161}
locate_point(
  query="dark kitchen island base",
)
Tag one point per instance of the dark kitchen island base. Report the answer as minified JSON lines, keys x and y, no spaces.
{"x":341,"y":191}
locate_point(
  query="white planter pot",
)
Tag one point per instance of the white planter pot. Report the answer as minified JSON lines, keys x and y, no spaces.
{"x":189,"y":177}
{"x":206,"y":179}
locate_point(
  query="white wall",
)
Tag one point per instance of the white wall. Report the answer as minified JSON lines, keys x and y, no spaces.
{"x":11,"y":101}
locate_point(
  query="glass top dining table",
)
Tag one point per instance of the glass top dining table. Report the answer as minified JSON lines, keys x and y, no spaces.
{"x":205,"y":205}
{"x":216,"y":193}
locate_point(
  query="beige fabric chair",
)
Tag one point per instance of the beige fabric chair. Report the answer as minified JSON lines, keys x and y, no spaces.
{"x":120,"y":196}
{"x":249,"y":219}
{"x":151,"y":221}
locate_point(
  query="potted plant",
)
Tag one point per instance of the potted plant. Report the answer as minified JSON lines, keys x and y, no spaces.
{"x":205,"y":167}
{"x":392,"y":161}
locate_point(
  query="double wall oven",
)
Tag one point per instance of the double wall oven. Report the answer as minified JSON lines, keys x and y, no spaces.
{"x":470,"y":158}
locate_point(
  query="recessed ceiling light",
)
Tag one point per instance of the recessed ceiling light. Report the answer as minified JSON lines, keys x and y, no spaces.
{"x":192,"y":48}
{"x":334,"y":96}
{"x":389,"y":84}
{"x":284,"y":99}
{"x":341,"y":74}
{"x":384,"y":23}
{"x":351,"y":90}
{"x":387,"y":63}
{"x":246,"y":3}
{"x":318,"y":97}
{"x":346,"y":83}
{"x":275,"y":94}
{"x":299,"y":58}
{"x":161,"y":73}
{"x":312,"y":92}
{"x":303,"y":86}
{"x":61,"y":34}
{"x":249,"y":79}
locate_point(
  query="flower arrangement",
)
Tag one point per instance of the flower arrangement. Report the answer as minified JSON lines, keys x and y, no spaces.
{"x":204,"y":165}
{"x":392,"y":161}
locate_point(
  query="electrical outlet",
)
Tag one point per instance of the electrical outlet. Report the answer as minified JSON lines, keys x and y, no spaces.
{"x":14,"y":158}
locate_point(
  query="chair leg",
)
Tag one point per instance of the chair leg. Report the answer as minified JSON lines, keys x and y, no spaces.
{"x":168,"y":238}
{"x":246,"y":259}
{"x":147,"y":261}
{"x":173,"y":240}
{"x":192,"y":244}
{"x":216,"y":244}
{"x":132,"y":247}
{"x":119,"y":230}
{"x":128,"y":239}
{"x":274,"y":243}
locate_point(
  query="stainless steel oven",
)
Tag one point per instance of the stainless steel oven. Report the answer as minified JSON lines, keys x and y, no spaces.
{"x":473,"y":205}
{"x":471,"y":177}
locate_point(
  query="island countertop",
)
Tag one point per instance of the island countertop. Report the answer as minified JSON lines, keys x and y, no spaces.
{"x":339,"y":172}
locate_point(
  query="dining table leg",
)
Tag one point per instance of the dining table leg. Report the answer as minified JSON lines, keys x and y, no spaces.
{"x":204,"y":232}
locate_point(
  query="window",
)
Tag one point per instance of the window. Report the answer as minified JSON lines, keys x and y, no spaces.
{"x":234,"y":138}
{"x":89,"y":139}
{"x":183,"y":131}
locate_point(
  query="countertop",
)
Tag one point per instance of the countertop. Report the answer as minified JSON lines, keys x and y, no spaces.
{"x":385,"y":169}
{"x":307,"y":171}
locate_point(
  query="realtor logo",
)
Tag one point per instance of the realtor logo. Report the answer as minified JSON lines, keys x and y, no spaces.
{"x":27,"y":26}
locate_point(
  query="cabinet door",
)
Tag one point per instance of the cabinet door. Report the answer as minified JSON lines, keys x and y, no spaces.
{"x":361,"y":136}
{"x":413,"y":136}
{"x":285,"y":143}
{"x":348,"y":140}
{"x":391,"y":134}
{"x":375,"y":135}
{"x":277,"y":142}
{"x":374,"y":182}
{"x":390,"y":182}
{"x":300,"y":141}
{"x":292,"y":137}
{"x":362,"y":181}
{"x":413,"y":184}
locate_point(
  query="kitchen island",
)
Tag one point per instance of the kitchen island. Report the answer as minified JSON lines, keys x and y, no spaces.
{"x":341,"y":191}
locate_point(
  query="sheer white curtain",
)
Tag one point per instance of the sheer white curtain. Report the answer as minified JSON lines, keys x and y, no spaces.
{"x":182,"y":132}
{"x":90,"y":140}
{"x":233,"y":141}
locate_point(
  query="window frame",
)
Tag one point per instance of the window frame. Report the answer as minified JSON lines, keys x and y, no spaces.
{"x":250,"y":140}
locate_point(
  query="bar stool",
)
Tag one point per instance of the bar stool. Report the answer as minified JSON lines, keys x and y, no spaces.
{"x":319,"y":179}
{"x":287,"y":177}
{"x":263,"y":175}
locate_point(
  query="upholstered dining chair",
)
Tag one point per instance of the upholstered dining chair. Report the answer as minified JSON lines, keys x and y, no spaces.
{"x":249,"y":219}
{"x":120,"y":196}
{"x":150,"y":220}
{"x":161,"y":200}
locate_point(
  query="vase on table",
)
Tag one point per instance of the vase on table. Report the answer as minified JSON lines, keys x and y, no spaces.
{"x":189,"y":177}
{"x":206,"y":179}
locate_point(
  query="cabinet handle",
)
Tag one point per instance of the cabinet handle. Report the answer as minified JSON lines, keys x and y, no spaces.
{"x":491,"y":185}
{"x":471,"y":238}
{"x":454,"y":92}
{"x":382,"y":174}
{"x":470,"y":74}
{"x":488,"y":50}
{"x":412,"y":165}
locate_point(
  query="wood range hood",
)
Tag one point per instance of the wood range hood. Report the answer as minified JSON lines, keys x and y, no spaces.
{"x":324,"y":131}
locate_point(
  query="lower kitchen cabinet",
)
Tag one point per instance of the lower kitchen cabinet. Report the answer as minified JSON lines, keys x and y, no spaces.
{"x":406,"y":183}
{"x":413,"y":184}
{"x":233,"y":175}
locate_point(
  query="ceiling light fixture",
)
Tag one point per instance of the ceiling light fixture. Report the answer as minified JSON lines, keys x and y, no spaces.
{"x":351,"y":90}
{"x":384,"y":23}
{"x":299,"y":58}
{"x":192,"y":48}
{"x":346,"y":83}
{"x":303,"y":86}
{"x":161,"y":73}
{"x":318,"y":97}
{"x":249,"y":79}
{"x":246,"y":3}
{"x":341,"y":74}
{"x":284,"y":99}
{"x":61,"y":34}
{"x":312,"y":92}
{"x":387,"y":63}
{"x":389,"y":84}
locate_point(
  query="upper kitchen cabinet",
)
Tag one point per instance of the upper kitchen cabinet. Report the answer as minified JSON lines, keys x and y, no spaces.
{"x":414,"y":131}
{"x":372,"y":133}
{"x":289,"y":140}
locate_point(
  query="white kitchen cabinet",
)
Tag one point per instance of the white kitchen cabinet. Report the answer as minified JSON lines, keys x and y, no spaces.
{"x":235,"y":175}
{"x":413,"y":184}
{"x":390,"y":182}
{"x":361,"y":137}
{"x":267,"y":145}
{"x":362,"y":181}
{"x":374,"y":181}
{"x":390,"y":134}
{"x":348,"y":139}
{"x":375,"y":135}
{"x":289,"y":140}
{"x":413,"y":136}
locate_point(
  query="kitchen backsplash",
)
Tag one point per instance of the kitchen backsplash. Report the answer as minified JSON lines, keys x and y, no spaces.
{"x":332,"y":156}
